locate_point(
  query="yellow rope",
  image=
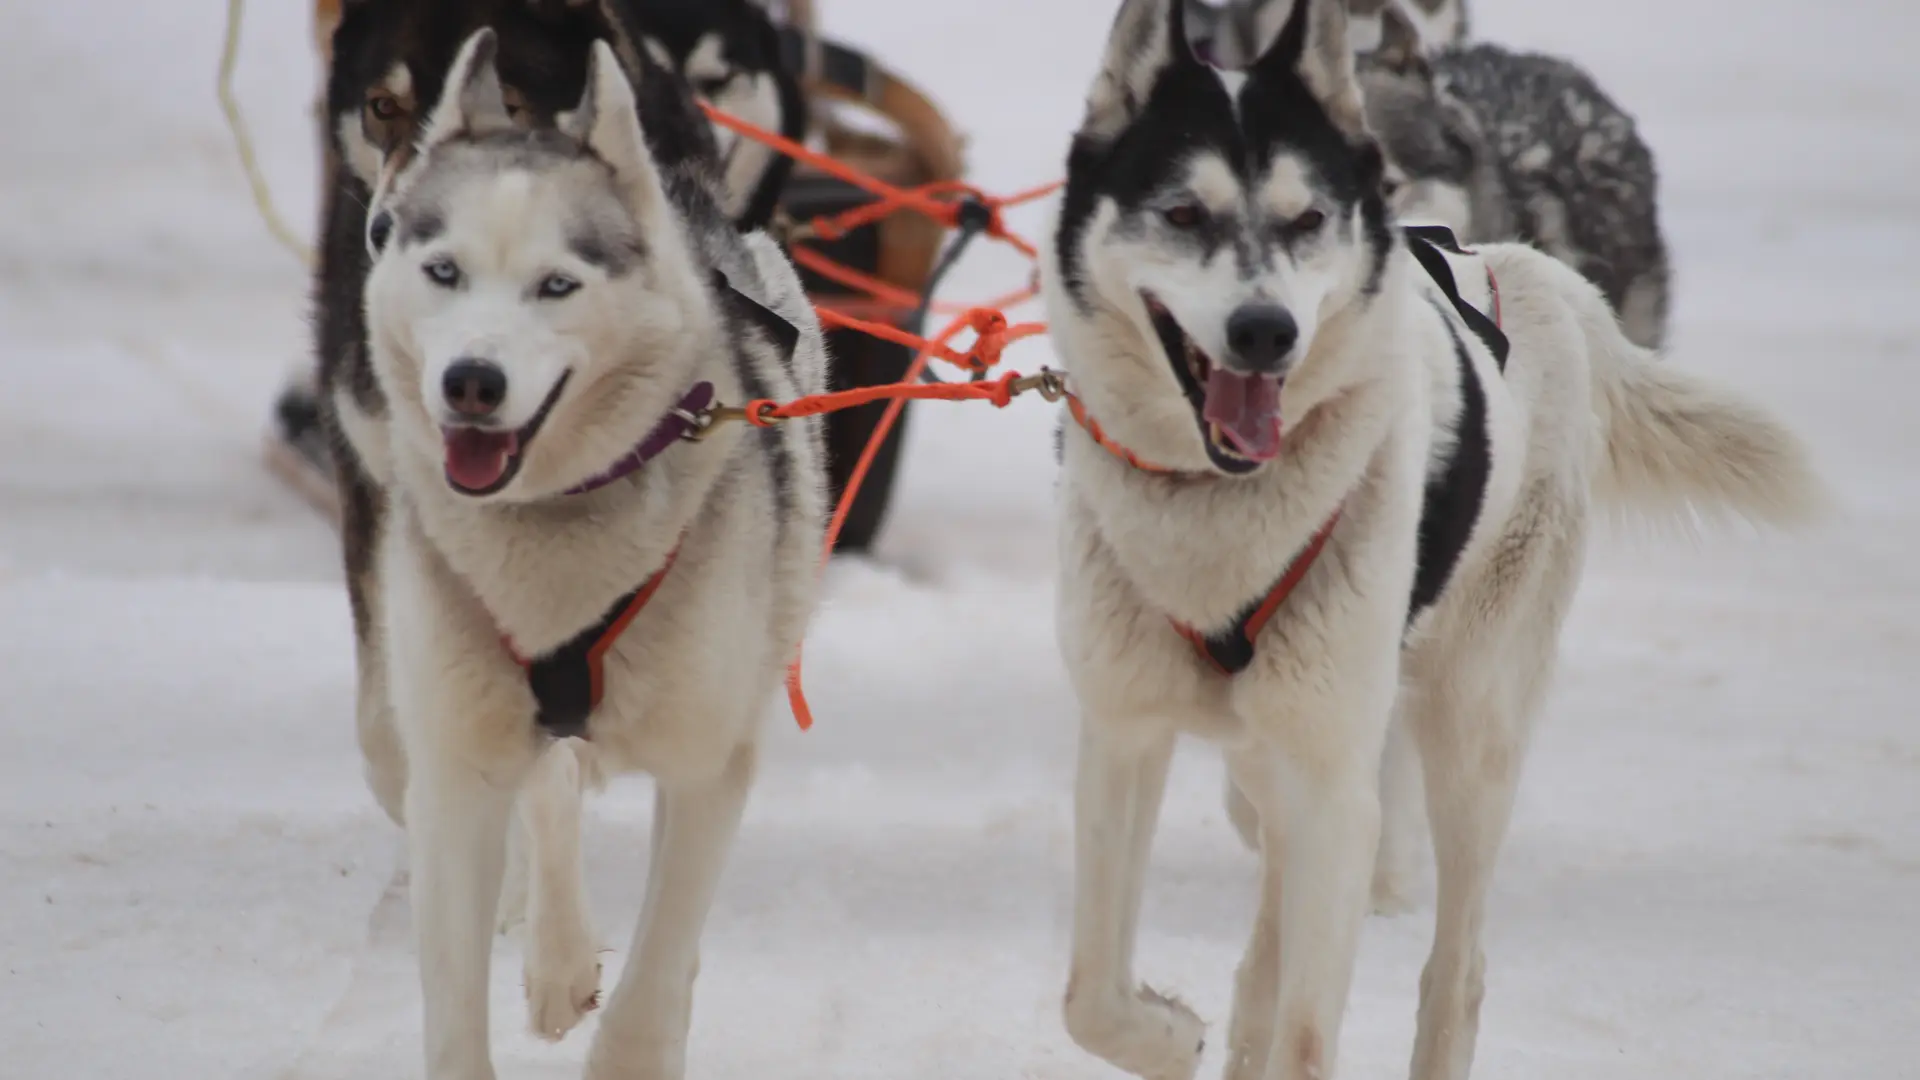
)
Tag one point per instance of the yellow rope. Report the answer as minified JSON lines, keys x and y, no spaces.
{"x":262,"y":198}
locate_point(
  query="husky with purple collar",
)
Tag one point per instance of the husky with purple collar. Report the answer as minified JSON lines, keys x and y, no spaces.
{"x":1326,"y":478}
{"x":567,"y":585}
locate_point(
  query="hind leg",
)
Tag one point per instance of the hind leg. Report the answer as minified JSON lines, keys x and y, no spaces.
{"x":382,"y":756}
{"x":1472,"y":748}
{"x":1403,"y":823}
{"x":1122,"y":778}
{"x":513,"y":884}
{"x":562,"y":969}
{"x":1240,"y":812}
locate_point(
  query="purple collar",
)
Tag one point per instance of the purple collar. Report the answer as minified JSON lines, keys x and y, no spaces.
{"x":680,"y":422}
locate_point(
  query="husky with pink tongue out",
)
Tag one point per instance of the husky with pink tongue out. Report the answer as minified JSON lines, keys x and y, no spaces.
{"x":568,"y":583}
{"x":1325,"y":501}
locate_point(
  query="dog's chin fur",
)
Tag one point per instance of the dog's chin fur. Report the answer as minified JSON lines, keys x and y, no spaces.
{"x":1462,"y":490}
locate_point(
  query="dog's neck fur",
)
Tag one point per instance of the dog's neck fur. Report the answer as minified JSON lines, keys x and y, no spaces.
{"x":1357,"y":405}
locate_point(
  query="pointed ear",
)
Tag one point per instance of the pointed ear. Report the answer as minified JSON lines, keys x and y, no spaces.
{"x":1401,"y":49}
{"x":1149,"y":38}
{"x":608,"y":122}
{"x":1313,"y":44}
{"x":472,"y":103}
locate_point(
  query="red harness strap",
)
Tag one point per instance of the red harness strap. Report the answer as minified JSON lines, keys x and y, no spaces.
{"x":569,"y":682}
{"x":1230,"y":651}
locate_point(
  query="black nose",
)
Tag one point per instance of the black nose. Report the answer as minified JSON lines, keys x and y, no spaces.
{"x":474,"y":387}
{"x":1261,"y":336}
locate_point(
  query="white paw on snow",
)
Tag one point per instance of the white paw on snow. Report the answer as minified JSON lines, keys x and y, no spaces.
{"x":563,"y":986}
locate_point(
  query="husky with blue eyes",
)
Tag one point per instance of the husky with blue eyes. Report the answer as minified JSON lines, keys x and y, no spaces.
{"x":1325,"y":477}
{"x":575,"y":577}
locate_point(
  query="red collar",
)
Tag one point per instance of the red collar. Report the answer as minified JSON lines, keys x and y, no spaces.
{"x":1092,"y":427}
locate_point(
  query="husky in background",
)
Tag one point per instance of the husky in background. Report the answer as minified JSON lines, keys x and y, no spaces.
{"x":1324,"y":474}
{"x":1501,"y":145}
{"x":563,"y":585}
{"x":1229,"y":33}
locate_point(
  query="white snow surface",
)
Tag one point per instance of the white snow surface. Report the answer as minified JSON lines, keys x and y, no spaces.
{"x":1714,"y":870}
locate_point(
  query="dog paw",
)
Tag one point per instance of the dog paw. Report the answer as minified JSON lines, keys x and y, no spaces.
{"x":561,"y":992}
{"x":1181,"y":1033}
{"x":1153,"y":1036}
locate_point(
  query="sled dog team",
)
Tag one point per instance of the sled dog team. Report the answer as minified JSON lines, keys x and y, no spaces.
{"x":1325,"y":495}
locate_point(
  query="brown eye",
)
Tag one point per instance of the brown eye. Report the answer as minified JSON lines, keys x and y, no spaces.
{"x":1307,"y":222}
{"x":383,"y":107}
{"x":1184,"y":216}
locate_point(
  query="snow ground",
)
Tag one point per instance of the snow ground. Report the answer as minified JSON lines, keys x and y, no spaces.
{"x":1716,"y":863}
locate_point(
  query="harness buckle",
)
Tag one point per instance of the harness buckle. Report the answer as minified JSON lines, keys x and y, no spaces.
{"x":699,"y":424}
{"x":1051,"y":384}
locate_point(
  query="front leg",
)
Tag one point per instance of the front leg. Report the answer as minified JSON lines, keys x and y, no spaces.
{"x":1324,"y":784}
{"x":562,"y":967}
{"x":1122,"y":779}
{"x":1316,"y":771}
{"x":643,"y":1031}
{"x":461,"y":708}
{"x":1256,"y":991}
{"x":456,"y":827}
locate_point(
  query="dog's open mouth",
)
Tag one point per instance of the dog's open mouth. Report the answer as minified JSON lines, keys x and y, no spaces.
{"x":1238,"y":413}
{"x":481,"y":461}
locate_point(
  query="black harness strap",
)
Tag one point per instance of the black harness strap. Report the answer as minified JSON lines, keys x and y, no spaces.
{"x":785,"y":335}
{"x":1426,"y":242}
{"x":569,"y":682}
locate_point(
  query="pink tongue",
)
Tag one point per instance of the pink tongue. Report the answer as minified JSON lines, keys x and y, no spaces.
{"x":1247,"y":410}
{"x":476,"y":460}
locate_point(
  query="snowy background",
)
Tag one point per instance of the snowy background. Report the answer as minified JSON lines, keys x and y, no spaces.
{"x":1715,"y":868}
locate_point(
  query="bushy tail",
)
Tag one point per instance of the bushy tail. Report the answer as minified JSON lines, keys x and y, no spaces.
{"x":1683,"y":449}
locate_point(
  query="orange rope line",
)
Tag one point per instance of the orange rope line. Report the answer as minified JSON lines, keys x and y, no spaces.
{"x":943,"y":202}
{"x":1000,"y":392}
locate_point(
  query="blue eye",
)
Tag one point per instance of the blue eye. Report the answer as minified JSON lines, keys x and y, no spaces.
{"x":443,"y":272}
{"x":557,"y":286}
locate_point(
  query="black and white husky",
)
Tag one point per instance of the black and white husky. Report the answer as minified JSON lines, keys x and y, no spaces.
{"x":565,"y":585}
{"x":1324,"y":477}
{"x":1505,"y":145}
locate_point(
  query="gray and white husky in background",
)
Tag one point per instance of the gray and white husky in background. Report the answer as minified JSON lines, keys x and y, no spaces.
{"x":1502,"y":145}
{"x":1278,"y":393}
{"x":1230,"y":33}
{"x":544,"y":304}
